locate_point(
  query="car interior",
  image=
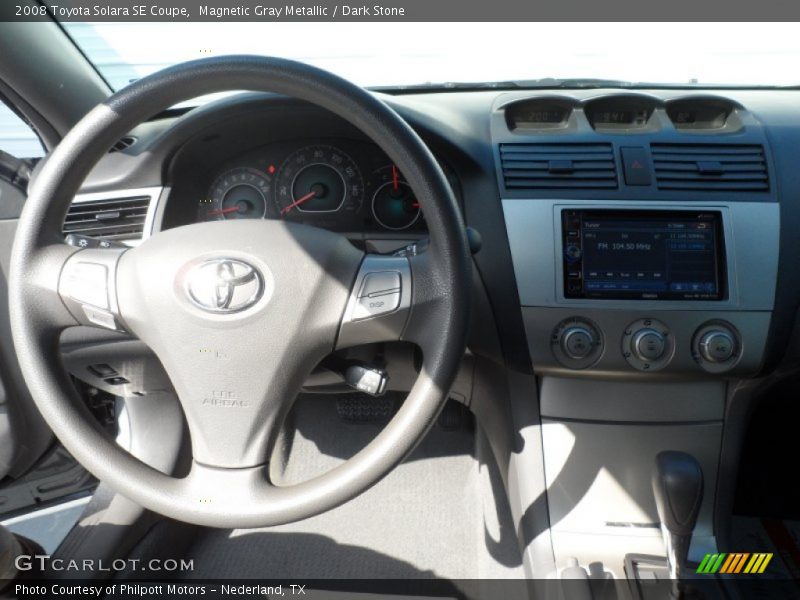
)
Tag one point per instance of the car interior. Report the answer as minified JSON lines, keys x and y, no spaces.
{"x":468,"y":335}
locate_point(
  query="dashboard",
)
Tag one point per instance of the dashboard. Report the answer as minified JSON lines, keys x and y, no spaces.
{"x":638,"y":257}
{"x":638,"y":254}
{"x":625,"y":233}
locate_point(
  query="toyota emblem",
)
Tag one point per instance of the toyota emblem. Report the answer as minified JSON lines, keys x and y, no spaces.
{"x":224,"y":285}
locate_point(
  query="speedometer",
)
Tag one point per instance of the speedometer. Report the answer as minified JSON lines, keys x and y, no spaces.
{"x":318,"y":179}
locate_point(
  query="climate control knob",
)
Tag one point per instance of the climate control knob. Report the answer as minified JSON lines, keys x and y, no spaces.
{"x":577,"y":343}
{"x":648,"y":345}
{"x":716,"y":346}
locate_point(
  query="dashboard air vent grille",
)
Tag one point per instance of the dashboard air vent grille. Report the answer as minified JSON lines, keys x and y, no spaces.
{"x":112,"y":219}
{"x":710,"y":167}
{"x":123,"y":144}
{"x":564,"y":166}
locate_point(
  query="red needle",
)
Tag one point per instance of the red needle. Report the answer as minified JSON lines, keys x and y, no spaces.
{"x":222,"y":211}
{"x":395,"y":179}
{"x":298,"y":202}
{"x":415,"y":205}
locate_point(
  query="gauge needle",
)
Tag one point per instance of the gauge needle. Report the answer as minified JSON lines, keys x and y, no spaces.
{"x":395,"y":179}
{"x":222,"y":211}
{"x":298,"y":202}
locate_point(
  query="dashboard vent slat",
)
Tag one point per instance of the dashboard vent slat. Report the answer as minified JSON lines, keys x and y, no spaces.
{"x":112,"y":219}
{"x":558,"y":166}
{"x":710,"y":167}
{"x":123,"y":144}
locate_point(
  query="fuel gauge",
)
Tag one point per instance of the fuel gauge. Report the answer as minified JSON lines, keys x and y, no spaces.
{"x":394,"y":204}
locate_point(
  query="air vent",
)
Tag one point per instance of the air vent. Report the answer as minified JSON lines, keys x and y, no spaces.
{"x":112,"y":219}
{"x":558,"y":166}
{"x":123,"y":144}
{"x":710,"y":167}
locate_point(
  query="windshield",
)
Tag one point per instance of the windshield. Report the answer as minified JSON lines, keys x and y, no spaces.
{"x":403,"y":54}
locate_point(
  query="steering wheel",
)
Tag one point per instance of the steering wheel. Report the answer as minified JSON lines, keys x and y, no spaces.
{"x":239,"y":312}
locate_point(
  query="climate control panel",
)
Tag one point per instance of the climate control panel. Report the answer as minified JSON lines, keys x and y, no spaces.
{"x":648,"y":345}
{"x":664,"y":342}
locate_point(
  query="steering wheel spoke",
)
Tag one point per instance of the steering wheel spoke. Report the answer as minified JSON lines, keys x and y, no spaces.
{"x":435,"y":293}
{"x":87,"y":286}
{"x":65,"y":287}
{"x":379,"y":303}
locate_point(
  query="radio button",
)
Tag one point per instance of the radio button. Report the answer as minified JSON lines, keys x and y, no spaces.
{"x":573,"y":253}
{"x":373,"y":306}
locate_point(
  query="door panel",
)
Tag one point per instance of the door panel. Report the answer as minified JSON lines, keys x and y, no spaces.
{"x":24,"y":436}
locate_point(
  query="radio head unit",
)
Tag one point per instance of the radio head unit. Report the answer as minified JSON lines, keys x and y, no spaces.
{"x":643,"y":254}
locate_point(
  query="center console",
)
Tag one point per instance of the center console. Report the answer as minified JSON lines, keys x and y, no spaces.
{"x":636,"y":317}
{"x":646,"y":262}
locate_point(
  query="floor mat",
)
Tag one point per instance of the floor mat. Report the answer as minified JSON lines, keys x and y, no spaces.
{"x":433,"y":517}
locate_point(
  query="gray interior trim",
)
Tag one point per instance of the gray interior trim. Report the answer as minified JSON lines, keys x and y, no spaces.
{"x":29,"y":434}
{"x":741,"y":402}
{"x":638,"y":401}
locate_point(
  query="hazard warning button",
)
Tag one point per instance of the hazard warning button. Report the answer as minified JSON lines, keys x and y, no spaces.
{"x":636,"y":165}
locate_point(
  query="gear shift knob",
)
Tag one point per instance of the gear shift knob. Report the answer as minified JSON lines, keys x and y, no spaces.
{"x":678,"y":491}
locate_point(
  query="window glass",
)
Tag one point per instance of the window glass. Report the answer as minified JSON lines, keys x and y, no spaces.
{"x":16,"y":136}
{"x":394,"y":54}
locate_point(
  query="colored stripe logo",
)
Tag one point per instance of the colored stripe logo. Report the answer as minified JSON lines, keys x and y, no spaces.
{"x":735,"y":562}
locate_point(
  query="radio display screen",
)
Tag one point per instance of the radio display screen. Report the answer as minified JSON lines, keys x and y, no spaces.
{"x":647,"y":254}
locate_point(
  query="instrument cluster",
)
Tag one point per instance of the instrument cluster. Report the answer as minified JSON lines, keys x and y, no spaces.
{"x":337,"y":184}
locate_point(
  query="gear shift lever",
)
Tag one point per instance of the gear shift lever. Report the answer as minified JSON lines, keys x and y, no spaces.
{"x":678,"y":490}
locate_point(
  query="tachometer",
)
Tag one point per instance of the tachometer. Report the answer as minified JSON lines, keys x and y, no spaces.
{"x":318,"y":179}
{"x":237,"y":194}
{"x":394,"y":205}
